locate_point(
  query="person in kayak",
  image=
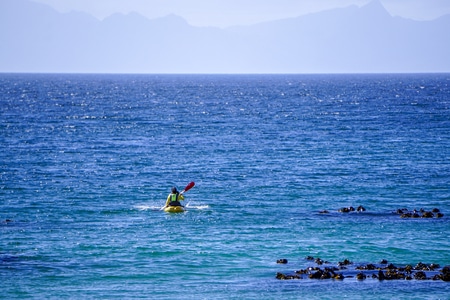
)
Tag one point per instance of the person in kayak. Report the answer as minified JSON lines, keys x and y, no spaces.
{"x":174,"y":198}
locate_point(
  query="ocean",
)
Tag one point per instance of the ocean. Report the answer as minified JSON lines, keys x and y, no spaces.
{"x":87,"y":161}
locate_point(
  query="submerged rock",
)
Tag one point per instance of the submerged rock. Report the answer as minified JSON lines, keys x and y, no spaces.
{"x":382,"y":271}
{"x":445,"y":276}
{"x":420,"y":275}
{"x":366,"y":267}
{"x":361,"y":276}
{"x":346,"y":262}
{"x":422,"y":213}
{"x":361,"y":208}
{"x":282,"y":276}
{"x":346,"y":209}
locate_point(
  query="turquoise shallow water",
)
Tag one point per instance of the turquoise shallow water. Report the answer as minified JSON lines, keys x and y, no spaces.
{"x":88,"y":160}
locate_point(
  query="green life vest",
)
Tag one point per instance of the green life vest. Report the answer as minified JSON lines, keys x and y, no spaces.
{"x":173,"y":197}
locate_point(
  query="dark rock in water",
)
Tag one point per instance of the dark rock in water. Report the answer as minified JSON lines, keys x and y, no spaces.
{"x":316,"y":275}
{"x":401,"y":211}
{"x":433,"y":267}
{"x":326,"y":275}
{"x":320,"y":274}
{"x":360,"y":276}
{"x":344,"y":210}
{"x":421,"y":266}
{"x":420,"y":275}
{"x":389,"y":272}
{"x":408,"y":268}
{"x":445,"y":276}
{"x":282,"y":261}
{"x":436,"y":277}
{"x":422,"y":213}
{"x":309,"y":258}
{"x":319,"y":261}
{"x":282,"y":276}
{"x":427,"y":214}
{"x":331,"y":269}
{"x":345,"y":262}
{"x":366,"y":267}
{"x":391,"y":267}
{"x":393,"y":274}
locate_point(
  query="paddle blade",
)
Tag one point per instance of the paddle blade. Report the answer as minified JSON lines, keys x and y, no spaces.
{"x":189,"y":186}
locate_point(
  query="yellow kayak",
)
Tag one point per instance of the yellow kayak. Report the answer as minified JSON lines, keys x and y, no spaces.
{"x":174,"y":209}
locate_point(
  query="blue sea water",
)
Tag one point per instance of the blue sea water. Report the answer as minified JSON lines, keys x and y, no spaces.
{"x":87,"y":161}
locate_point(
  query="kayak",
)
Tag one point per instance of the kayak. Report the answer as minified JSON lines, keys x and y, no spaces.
{"x":174,"y":209}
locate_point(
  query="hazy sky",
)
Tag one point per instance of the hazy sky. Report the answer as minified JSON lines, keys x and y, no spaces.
{"x":224,"y":13}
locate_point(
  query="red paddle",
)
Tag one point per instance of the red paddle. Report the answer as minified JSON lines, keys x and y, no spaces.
{"x":188,"y":187}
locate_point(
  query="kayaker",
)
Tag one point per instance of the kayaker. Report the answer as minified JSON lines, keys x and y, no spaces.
{"x":174,"y":198}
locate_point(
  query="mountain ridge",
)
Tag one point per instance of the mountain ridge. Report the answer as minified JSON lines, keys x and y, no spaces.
{"x":344,"y":40}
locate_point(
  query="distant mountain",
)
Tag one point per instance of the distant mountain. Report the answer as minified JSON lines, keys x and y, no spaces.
{"x":352,"y":39}
{"x":37,"y":38}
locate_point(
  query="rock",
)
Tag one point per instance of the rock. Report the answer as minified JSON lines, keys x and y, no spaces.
{"x":345,"y":262}
{"x":319,"y":261}
{"x":391,"y":267}
{"x":361,"y":208}
{"x":421,"y":271}
{"x":421,"y":266}
{"x":316,"y":275}
{"x":360,"y":276}
{"x":427,"y":214}
{"x":420,"y":275}
{"x":282,"y":276}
